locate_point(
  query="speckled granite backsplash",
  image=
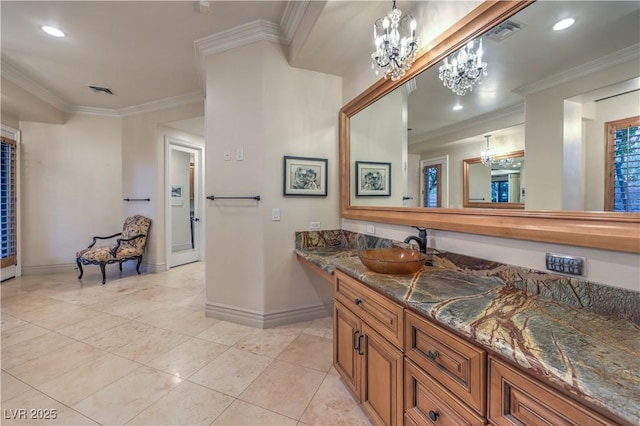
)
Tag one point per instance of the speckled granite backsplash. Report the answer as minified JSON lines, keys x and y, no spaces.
{"x":612,"y":302}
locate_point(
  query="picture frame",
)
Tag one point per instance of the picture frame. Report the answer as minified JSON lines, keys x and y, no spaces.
{"x":304,"y":176}
{"x":176,"y":195}
{"x":373,"y":179}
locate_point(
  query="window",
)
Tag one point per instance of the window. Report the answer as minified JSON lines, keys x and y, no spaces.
{"x":8,"y":202}
{"x":432,"y":185}
{"x":500,"y":191}
{"x":622,"y":167}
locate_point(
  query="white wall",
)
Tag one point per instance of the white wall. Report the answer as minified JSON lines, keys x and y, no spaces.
{"x":71,"y":188}
{"x":143,"y":171}
{"x":257,"y":102}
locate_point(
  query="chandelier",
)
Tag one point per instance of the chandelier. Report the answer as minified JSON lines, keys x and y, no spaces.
{"x":486,"y":155}
{"x":396,"y":44}
{"x":465,"y":68}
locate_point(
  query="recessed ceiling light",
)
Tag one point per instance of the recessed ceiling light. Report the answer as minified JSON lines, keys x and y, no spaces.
{"x":564,"y":24}
{"x":52,"y":31}
{"x":457,"y":107}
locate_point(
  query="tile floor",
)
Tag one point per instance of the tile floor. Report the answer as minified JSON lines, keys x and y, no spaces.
{"x":139,"y":351}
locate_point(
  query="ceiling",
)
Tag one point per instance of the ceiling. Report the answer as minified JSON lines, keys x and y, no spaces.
{"x":147,"y":53}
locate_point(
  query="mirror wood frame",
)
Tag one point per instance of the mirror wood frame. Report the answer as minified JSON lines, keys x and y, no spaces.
{"x":465,"y":183}
{"x":602,"y":230}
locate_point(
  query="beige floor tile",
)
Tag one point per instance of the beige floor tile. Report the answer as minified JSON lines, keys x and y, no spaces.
{"x":86,"y":295}
{"x":21,"y":333}
{"x":322,"y":327}
{"x":26,"y":302}
{"x":74,"y":386}
{"x":127,"y":397}
{"x":55,"y":363}
{"x":180,"y":320}
{"x":94,"y":325}
{"x":241,"y":413}
{"x":7,"y":322}
{"x":162,"y":294}
{"x":189,"y":357}
{"x":12,"y":387}
{"x":270,"y":342}
{"x":187,"y":404}
{"x":33,"y":348}
{"x":136,"y":341}
{"x":333,"y":404}
{"x":310,"y":351}
{"x":284,"y":388}
{"x":225,"y":333}
{"x":35,"y":408}
{"x":128,"y":307}
{"x":231,"y":372}
{"x":62,"y":316}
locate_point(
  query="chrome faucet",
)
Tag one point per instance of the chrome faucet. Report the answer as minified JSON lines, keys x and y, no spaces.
{"x":421,"y":239}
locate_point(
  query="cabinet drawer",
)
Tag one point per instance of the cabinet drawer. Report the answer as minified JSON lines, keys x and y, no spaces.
{"x":385,"y":316}
{"x":458,"y":365}
{"x":516,"y":399}
{"x":428,"y":403}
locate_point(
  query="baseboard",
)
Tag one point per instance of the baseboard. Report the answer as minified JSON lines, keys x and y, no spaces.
{"x":266,"y":320}
{"x":69,"y":267}
{"x":48,"y":269}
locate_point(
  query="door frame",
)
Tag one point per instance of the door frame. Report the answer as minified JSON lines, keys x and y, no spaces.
{"x":15,"y":270}
{"x":172,"y":142}
{"x":443,"y":160}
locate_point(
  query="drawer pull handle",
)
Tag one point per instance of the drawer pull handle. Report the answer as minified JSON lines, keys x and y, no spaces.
{"x":360,"y":344}
{"x":433,"y":415}
{"x":356,"y":341}
{"x":357,"y":301}
{"x":433,"y":355}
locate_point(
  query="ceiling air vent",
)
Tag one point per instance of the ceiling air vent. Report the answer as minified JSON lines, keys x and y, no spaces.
{"x":504,"y":30}
{"x":99,"y":89}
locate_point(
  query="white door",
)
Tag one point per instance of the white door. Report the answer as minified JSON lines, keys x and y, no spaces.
{"x":184,"y":183}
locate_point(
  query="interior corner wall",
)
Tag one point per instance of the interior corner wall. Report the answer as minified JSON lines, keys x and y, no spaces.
{"x":143,"y":175}
{"x":71,"y":179}
{"x":257,"y":102}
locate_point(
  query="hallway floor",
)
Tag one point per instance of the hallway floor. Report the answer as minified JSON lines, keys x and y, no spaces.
{"x":139,"y":351}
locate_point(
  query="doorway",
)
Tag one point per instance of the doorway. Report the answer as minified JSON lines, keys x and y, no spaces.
{"x":184,"y":227}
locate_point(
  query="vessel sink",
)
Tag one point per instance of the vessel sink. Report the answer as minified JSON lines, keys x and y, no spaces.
{"x":396,"y":261}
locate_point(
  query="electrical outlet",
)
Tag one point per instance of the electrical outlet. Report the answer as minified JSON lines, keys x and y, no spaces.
{"x":275,"y":215}
{"x":227,"y":156}
{"x":572,"y":265}
{"x":371,"y":229}
{"x":314,"y":225}
{"x":240,"y":154}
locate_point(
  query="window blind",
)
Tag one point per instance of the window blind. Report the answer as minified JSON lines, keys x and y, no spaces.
{"x":623,"y":165}
{"x":8,"y":224}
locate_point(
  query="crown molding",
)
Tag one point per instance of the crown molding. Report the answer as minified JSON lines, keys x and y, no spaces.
{"x":291,"y":17}
{"x":621,"y":56}
{"x":22,"y":79}
{"x":142,"y":108}
{"x":242,"y":35}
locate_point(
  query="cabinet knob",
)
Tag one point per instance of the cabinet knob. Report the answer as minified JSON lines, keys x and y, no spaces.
{"x":433,"y":415}
{"x":357,"y":301}
{"x":433,"y":355}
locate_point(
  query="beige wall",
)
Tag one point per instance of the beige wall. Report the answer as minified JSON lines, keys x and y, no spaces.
{"x":257,"y":102}
{"x":70,"y":190}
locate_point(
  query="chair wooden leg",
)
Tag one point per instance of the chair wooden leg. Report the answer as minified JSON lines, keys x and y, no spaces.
{"x":138,"y":265}
{"x":120,"y":264}
{"x":104,"y":279}
{"x":80,"y":268}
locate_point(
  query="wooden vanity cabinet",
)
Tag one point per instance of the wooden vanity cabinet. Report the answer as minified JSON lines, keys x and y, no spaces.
{"x":516,"y":399}
{"x":370,"y":365}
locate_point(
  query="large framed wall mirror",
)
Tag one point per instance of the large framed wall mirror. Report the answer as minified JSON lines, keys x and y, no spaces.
{"x":547,"y":105}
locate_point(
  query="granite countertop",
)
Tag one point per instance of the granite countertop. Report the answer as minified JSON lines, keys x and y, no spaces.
{"x":587,"y":354}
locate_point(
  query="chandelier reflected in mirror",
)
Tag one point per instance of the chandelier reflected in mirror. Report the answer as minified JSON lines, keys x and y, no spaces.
{"x":396,"y":44}
{"x":486,"y":155}
{"x":463,"y":69}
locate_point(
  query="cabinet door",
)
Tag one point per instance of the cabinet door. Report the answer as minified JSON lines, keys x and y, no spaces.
{"x":515,"y":399}
{"x":347,"y":334}
{"x":382,"y":390}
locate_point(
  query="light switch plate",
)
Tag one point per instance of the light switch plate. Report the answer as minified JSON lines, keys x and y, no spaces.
{"x":227,"y":156}
{"x":565,"y":264}
{"x":275,"y":215}
{"x":314,"y":225}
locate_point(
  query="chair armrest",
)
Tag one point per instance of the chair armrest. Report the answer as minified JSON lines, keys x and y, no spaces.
{"x":102,"y":238}
{"x":119,"y":240}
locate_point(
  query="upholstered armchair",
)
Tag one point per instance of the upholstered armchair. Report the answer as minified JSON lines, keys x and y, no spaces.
{"x":129,"y":246}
